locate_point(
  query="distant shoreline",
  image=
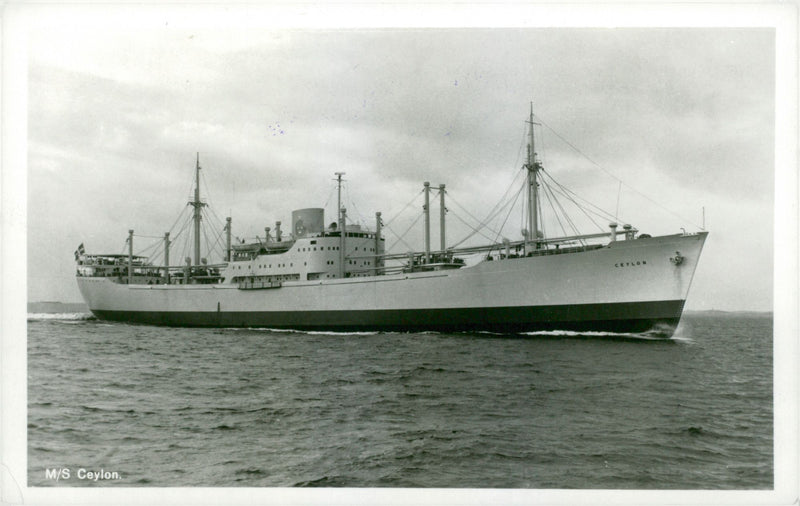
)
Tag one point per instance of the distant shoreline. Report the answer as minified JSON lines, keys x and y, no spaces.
{"x":717,"y":312}
{"x":57,"y":307}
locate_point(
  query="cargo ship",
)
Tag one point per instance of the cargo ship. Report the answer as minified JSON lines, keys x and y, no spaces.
{"x":339,"y":277}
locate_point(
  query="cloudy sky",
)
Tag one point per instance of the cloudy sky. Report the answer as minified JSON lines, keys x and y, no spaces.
{"x":118,"y":106}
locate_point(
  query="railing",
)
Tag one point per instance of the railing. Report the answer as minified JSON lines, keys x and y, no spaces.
{"x":558,"y":251}
{"x":258,"y":285}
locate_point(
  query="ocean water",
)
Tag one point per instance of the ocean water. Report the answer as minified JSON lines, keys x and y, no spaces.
{"x":152,"y":406}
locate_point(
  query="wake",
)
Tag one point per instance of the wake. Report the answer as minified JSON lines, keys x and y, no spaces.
{"x":32,"y":317}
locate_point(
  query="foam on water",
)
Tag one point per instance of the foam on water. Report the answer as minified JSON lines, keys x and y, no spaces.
{"x":296,"y":331}
{"x":646,"y":336}
{"x":61,"y":316}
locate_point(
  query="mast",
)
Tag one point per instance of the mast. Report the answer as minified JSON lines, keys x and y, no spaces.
{"x":166,"y":258}
{"x":378,"y":258}
{"x":228,"y":239}
{"x":197,"y":212}
{"x":341,"y":216}
{"x":533,"y":167}
{"x":442,"y":211}
{"x":130,"y":256}
{"x":426,"y":210}
{"x":343,"y":244}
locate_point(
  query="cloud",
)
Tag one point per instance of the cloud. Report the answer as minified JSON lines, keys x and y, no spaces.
{"x":116,"y":117}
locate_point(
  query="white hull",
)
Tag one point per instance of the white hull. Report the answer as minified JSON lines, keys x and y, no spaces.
{"x":630,"y":285}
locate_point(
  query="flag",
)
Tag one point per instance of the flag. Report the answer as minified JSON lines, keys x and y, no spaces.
{"x":80,"y":251}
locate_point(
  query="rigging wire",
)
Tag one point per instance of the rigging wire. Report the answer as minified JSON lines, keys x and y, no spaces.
{"x":541,"y":222}
{"x":210,"y":213}
{"x":171,"y":228}
{"x":568,"y":218}
{"x":387,"y":223}
{"x":146,"y":248}
{"x":190,"y":190}
{"x":353,"y":203}
{"x":178,"y":218}
{"x":214,"y":246}
{"x":541,"y":143}
{"x":523,"y":217}
{"x":492,"y":215}
{"x":571,"y":196}
{"x":160,"y":251}
{"x":496,"y":209}
{"x":474,"y":230}
{"x":204,"y":183}
{"x":581,"y":209}
{"x":330,"y":196}
{"x":400,"y":237}
{"x":218,"y":222}
{"x":546,"y":192}
{"x":574,"y":197}
{"x":185,"y":227}
{"x":186,"y":246}
{"x":204,"y":235}
{"x":554,"y":202}
{"x":613,"y":176}
{"x":212,"y":221}
{"x":484,"y":224}
{"x":549,"y":194}
{"x":510,"y":210}
{"x":522,"y":143}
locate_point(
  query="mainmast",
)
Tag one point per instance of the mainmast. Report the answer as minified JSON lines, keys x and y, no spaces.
{"x":442,"y":211}
{"x":427,"y":212}
{"x":197,"y":212}
{"x":533,"y":192}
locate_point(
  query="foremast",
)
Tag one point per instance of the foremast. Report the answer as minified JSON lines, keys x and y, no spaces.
{"x":533,"y":166}
{"x":198,"y":214}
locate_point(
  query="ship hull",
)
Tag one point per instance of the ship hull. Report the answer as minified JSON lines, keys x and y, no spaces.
{"x":628,"y":287}
{"x":632,"y":317}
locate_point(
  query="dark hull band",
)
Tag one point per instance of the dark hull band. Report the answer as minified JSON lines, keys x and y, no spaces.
{"x":660,"y":317}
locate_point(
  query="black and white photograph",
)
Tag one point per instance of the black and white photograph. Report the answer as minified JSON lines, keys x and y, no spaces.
{"x":399,"y":254}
